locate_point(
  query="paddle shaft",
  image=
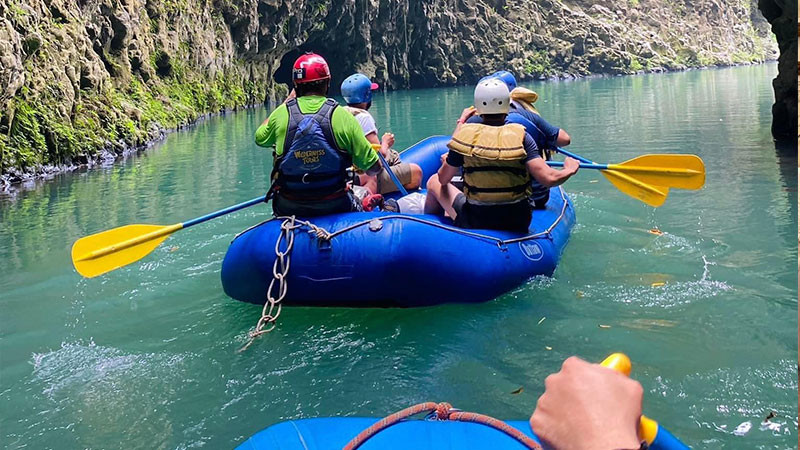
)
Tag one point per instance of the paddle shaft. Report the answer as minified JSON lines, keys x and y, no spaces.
{"x":222,"y":212}
{"x":388,"y":169}
{"x":617,"y":167}
{"x":573,"y":155}
{"x":165,"y":231}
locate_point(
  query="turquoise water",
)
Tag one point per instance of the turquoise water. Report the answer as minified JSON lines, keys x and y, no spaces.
{"x":145,"y":356}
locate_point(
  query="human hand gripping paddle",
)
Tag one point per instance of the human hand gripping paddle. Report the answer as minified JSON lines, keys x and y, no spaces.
{"x":656,"y":436}
{"x":108,"y":250}
{"x":585,"y":405}
{"x":648,"y":177}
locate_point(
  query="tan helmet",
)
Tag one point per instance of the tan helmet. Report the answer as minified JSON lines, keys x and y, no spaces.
{"x":492,"y":97}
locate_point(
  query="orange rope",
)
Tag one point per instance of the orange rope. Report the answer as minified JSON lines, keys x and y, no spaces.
{"x":443,"y":411}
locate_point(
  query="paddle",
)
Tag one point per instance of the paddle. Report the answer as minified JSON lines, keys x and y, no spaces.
{"x":649,"y":177}
{"x":656,"y":436}
{"x":108,"y":250}
{"x":388,"y":169}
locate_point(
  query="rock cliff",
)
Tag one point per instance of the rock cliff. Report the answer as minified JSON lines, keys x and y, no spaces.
{"x":782,"y":15}
{"x":82,"y":78}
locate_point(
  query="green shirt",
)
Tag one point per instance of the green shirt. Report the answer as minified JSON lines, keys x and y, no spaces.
{"x":346,"y":131}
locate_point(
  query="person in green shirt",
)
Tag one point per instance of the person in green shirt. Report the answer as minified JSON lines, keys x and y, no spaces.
{"x":315,"y":144}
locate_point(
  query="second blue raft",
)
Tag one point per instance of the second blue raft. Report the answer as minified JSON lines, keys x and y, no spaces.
{"x":386,"y":259}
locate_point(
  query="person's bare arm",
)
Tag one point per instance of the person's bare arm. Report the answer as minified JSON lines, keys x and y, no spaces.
{"x":588,"y":406}
{"x":563,"y":138}
{"x":465,"y":114}
{"x":548,"y":176}
{"x":373,"y":138}
{"x":446,"y":172}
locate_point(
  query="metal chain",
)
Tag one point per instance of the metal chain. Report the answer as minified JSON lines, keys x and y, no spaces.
{"x":280,"y":271}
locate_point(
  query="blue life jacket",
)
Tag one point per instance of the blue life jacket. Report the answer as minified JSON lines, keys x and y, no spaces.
{"x":312,"y":165}
{"x":537,"y":134}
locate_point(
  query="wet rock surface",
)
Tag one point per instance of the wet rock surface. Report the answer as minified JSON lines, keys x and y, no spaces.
{"x":782,"y":15}
{"x":80,"y":78}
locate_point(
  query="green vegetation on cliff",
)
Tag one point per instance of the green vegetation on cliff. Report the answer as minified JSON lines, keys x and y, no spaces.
{"x":80,"y":77}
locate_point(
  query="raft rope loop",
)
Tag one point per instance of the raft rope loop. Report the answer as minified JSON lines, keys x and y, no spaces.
{"x":440,"y":411}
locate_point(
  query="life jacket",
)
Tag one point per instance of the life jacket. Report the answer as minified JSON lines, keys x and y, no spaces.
{"x":524,"y":99}
{"x":494,"y":163}
{"x":312,"y":164}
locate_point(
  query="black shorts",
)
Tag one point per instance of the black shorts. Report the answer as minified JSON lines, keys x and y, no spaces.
{"x":511,"y":217}
{"x":282,"y":206}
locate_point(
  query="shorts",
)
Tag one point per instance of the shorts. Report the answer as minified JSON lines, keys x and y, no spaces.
{"x":510,"y":217}
{"x":385,"y":183}
{"x":282,"y":206}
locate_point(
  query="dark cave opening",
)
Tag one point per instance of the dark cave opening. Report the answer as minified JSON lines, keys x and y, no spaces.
{"x":341,"y":61}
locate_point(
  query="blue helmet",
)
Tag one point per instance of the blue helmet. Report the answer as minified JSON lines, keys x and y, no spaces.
{"x":357,"y":88}
{"x":507,"y":78}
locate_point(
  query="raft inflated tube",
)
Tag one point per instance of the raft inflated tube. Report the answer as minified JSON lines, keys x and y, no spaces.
{"x":336,"y":432}
{"x":389,"y":259}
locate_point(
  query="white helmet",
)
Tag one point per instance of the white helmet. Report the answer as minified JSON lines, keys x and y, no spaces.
{"x":492,"y":97}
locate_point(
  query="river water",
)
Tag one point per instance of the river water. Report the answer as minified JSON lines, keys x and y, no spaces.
{"x":145,"y":357}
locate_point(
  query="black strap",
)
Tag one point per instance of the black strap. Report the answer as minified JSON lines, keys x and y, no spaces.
{"x":295,"y":117}
{"x":324,"y":119}
{"x":515,"y":170}
{"x":514,"y":189}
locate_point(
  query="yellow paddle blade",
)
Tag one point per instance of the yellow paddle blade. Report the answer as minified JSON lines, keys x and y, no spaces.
{"x":103,"y":252}
{"x":648,"y":193}
{"x":672,"y":171}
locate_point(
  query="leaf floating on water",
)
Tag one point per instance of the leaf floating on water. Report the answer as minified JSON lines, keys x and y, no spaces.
{"x":173,"y":249}
{"x":516,"y":391}
{"x":655,"y":231}
{"x":605,"y":327}
{"x":658,"y":284}
{"x":541,"y":320}
{"x":579,"y":294}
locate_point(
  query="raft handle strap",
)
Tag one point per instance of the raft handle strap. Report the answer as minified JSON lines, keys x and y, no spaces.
{"x":441,"y":411}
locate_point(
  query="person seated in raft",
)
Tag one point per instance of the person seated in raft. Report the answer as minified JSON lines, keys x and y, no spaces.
{"x":498,"y":161}
{"x":315,"y":144}
{"x":543,"y":133}
{"x":357,"y":92}
{"x":588,"y":406}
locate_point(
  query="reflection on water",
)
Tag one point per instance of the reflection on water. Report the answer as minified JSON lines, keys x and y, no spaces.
{"x":146,"y":356}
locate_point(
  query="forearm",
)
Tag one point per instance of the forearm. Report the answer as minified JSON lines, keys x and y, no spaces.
{"x":546,"y":175}
{"x":557,"y":177}
{"x":563,"y":139}
{"x":377,"y":145}
{"x":446,"y":173}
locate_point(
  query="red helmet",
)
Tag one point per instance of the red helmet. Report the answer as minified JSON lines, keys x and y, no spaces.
{"x":310,"y":67}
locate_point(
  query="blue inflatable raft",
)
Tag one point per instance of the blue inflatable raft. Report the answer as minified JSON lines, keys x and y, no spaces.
{"x":389,"y":259}
{"x":336,"y":432}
